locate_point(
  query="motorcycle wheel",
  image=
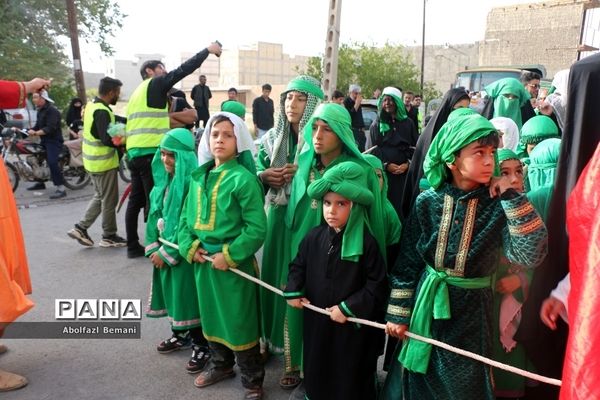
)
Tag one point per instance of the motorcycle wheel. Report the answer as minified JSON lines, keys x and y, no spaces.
{"x":124,"y":172}
{"x":13,"y":175}
{"x":75,"y":177}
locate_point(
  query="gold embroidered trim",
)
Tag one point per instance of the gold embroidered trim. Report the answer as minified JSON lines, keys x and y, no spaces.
{"x":442,"y":242}
{"x":210,"y":226}
{"x":519,"y":211}
{"x":228,"y":259}
{"x":192,"y":250}
{"x":224,"y":342}
{"x":399,"y":311}
{"x":527,"y":227}
{"x":465,"y":240}
{"x":402,"y":293}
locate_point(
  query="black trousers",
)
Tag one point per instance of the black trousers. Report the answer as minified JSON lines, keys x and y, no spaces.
{"x":249,"y":361}
{"x":141,"y":185}
{"x":359,"y":138}
{"x":203,"y":116}
{"x":52,"y":151}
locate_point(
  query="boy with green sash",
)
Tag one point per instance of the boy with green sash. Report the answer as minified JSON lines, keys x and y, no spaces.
{"x":339,"y":267}
{"x":223,"y":218}
{"x":441,"y":283}
{"x":276,"y":166}
{"x":173,"y":284}
{"x":328,"y":141}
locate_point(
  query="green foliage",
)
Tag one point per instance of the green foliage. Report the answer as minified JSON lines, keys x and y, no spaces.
{"x":31,"y":34}
{"x":374,"y":67}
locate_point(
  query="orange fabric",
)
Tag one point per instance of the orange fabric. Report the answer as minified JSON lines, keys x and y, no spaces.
{"x":14,"y":270}
{"x":581,"y":373}
{"x":12,"y":94}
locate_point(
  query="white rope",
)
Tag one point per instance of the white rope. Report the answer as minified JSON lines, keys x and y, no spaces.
{"x":465,"y":353}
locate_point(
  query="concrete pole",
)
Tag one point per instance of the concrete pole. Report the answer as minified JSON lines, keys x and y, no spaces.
{"x":330,"y":60}
{"x":74,"y":34}
{"x":423,"y":51}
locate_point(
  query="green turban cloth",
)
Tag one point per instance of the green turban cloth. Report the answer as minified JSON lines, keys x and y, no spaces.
{"x":460,"y":112}
{"x":504,"y":106}
{"x":179,"y":141}
{"x":234,"y":107}
{"x":541,"y":175}
{"x":348,"y":179}
{"x":455,"y":134}
{"x":538,"y":128}
{"x":503,"y":155}
{"x":384,"y":118}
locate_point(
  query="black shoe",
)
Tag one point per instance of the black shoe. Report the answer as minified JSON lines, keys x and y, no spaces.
{"x":137,"y":251}
{"x":174,"y":343}
{"x":37,"y":186}
{"x":80,"y":234}
{"x":59,"y":194}
{"x":113,"y":241}
{"x":200,"y":357}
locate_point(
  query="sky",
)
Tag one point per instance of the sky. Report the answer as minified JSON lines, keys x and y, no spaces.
{"x":300,"y":26}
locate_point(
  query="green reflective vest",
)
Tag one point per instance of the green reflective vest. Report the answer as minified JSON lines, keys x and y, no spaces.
{"x":97,"y":157}
{"x":145,"y":125}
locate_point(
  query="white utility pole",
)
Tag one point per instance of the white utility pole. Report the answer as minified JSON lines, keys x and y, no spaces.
{"x":332,"y":43}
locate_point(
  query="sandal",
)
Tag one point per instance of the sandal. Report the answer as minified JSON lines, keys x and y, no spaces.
{"x":254,"y":394}
{"x":212,"y":376}
{"x":290,"y":380}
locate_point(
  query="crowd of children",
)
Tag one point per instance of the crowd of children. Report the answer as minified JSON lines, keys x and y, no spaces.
{"x":331,"y":238}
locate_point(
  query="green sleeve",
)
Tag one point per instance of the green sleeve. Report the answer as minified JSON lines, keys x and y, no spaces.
{"x":254,"y":223}
{"x":262,"y":159}
{"x":186,"y":238}
{"x":525,"y":238}
{"x":152,"y":244}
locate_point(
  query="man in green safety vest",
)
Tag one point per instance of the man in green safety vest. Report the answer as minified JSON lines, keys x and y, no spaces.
{"x":101,"y":161}
{"x":147,"y":122}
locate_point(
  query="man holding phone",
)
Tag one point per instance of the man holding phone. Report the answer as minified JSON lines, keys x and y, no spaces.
{"x":353,"y":105}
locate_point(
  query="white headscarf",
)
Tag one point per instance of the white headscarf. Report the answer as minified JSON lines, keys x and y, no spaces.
{"x":558,"y":99}
{"x":242,"y":134}
{"x":510,"y":130}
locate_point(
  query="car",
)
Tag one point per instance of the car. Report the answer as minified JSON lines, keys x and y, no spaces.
{"x":24,"y":118}
{"x":369,"y":111}
{"x":476,"y":79}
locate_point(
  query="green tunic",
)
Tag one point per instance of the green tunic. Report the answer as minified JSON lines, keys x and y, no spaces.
{"x":224,"y":213}
{"x":276,"y":258}
{"x":460,"y":233}
{"x":173,"y":286}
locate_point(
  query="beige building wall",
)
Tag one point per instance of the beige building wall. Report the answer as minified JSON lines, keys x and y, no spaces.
{"x":547,"y":33}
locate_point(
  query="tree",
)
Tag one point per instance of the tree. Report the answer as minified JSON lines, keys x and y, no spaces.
{"x":33,"y":32}
{"x":374,"y":67}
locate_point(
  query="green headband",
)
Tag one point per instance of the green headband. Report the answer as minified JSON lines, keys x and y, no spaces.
{"x":234,"y":107}
{"x":178,"y":139}
{"x":305,"y":84}
{"x":538,"y":128}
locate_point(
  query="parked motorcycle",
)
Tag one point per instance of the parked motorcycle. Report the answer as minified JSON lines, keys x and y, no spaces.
{"x":26,"y":160}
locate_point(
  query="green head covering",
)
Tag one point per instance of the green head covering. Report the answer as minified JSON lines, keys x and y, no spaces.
{"x":542,"y":163}
{"x":276,"y":141}
{"x":349,"y":180}
{"x":234,"y":107}
{"x":460,"y":112}
{"x":503,"y":155}
{"x":503,"y":106}
{"x":376,"y":163}
{"x":538,"y":128}
{"x":338,"y":119}
{"x":384,"y":118}
{"x":179,"y":141}
{"x":455,"y":134}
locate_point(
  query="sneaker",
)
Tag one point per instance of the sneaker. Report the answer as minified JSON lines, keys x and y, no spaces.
{"x":137,"y":251}
{"x":200,"y":357}
{"x":59,"y":194}
{"x":37,"y":186}
{"x":174,"y":343}
{"x":113,"y":241}
{"x":80,"y":234}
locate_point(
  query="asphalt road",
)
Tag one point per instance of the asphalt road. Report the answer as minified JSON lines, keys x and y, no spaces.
{"x":97,"y":368}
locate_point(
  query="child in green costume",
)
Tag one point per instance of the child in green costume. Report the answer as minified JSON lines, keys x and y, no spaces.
{"x":173,"y":283}
{"x":224,"y":218}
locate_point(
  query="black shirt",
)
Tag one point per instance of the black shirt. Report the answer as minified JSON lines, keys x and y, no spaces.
{"x":413,"y":115}
{"x":101,"y":124}
{"x":48,"y":120}
{"x":355,"y":115}
{"x":262,"y":113}
{"x":160,"y":86}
